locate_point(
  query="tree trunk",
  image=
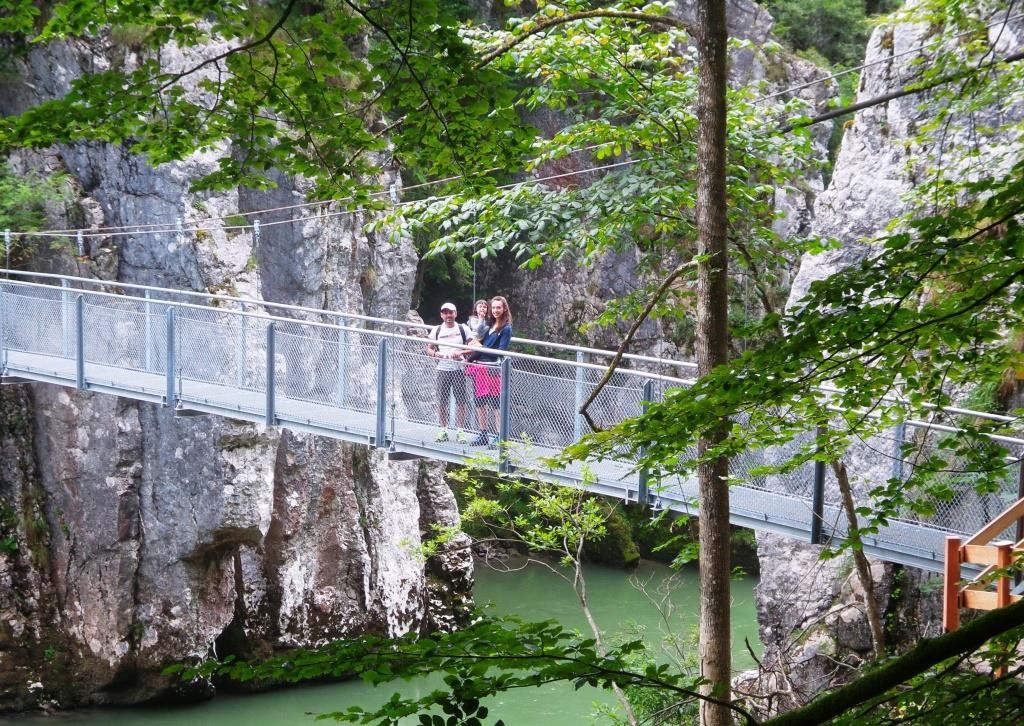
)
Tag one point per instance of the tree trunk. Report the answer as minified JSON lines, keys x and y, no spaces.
{"x":861,"y":561}
{"x":713,"y":350}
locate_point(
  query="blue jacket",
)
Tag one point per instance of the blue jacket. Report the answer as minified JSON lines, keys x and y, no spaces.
{"x":497,"y":339}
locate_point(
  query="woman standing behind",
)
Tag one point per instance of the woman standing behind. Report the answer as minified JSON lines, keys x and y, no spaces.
{"x":485,"y":373}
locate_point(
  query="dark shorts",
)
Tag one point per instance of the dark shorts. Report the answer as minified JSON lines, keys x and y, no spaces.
{"x":451,"y":383}
{"x":487,"y":401}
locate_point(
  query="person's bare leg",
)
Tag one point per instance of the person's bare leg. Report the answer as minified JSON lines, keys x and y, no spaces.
{"x":442,"y":414}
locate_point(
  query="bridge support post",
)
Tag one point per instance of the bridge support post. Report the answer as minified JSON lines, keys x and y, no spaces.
{"x":382,"y":394}
{"x":1004,"y":560}
{"x":80,"y":340}
{"x":643,"y":492}
{"x":342,"y":388}
{"x":818,"y":498}
{"x":271,"y":377}
{"x":951,"y":586}
{"x":504,"y":462}
{"x":897,"y":451}
{"x":581,"y":358}
{"x":1020,"y":494}
{"x":147,"y":348}
{"x":170,"y":398}
{"x":3,"y":332}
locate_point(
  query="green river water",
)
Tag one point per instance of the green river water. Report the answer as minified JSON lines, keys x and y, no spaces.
{"x":533,"y":593}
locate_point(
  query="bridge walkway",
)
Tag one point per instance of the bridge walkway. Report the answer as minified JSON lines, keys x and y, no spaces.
{"x":369,"y":381}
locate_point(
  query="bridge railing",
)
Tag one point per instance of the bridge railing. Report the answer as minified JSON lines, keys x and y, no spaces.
{"x":226,"y":355}
{"x":664,"y":366}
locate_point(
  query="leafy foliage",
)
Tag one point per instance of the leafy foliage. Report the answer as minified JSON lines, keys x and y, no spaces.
{"x":836,"y":30}
{"x":926,"y":312}
{"x":627,"y":94}
{"x":23,"y":203}
{"x":488,"y":657}
{"x":304,"y":93}
{"x":24,"y":198}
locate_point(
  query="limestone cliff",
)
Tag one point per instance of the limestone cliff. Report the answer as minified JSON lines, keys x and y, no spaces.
{"x":811,"y":612}
{"x":131,"y":538}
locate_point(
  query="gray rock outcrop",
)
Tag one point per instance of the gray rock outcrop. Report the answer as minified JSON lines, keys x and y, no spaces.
{"x":130,"y":539}
{"x":811,"y":612}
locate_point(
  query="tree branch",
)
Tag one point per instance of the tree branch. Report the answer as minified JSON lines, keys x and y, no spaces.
{"x":861,"y":560}
{"x":893,"y":95}
{"x":542,"y":26}
{"x":628,"y":339}
{"x":172,"y":78}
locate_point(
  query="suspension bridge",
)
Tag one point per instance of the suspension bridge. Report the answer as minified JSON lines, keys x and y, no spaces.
{"x":370,"y":381}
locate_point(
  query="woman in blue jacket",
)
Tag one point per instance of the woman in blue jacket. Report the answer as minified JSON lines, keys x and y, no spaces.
{"x":485,"y":372}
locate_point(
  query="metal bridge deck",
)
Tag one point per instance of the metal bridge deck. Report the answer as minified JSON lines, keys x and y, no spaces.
{"x":376,"y":388}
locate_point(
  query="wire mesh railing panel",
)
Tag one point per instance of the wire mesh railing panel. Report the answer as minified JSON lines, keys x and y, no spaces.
{"x":309,"y":363}
{"x":544,"y":398}
{"x":39,"y":320}
{"x":542,"y":404}
{"x":117,"y":334}
{"x":154,"y":331}
{"x":332,"y":371}
{"x":362,"y":353}
{"x":412,"y":388}
{"x":202,"y":351}
{"x":949,"y":494}
{"x":211,"y":367}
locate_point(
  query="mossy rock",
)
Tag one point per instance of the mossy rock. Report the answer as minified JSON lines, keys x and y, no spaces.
{"x":617,"y":548}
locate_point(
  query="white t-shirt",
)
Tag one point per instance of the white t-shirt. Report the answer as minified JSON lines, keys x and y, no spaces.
{"x":441,"y":334}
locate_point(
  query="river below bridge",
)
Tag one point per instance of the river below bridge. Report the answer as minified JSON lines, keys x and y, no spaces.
{"x":531,"y":593}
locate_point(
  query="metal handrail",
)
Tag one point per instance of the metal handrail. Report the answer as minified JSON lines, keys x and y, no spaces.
{"x":511,"y":354}
{"x":362,"y":331}
{"x":334,"y":313}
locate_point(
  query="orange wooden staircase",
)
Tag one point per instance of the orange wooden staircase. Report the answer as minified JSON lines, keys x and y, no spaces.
{"x":990,"y":589}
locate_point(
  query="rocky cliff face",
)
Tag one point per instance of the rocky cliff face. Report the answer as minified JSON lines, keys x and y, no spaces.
{"x":130,"y":538}
{"x":811,"y":612}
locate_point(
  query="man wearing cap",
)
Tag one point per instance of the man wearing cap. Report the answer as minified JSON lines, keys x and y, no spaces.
{"x":451,"y":377}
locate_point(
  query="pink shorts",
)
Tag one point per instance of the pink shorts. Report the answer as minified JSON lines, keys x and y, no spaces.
{"x":486,"y":380}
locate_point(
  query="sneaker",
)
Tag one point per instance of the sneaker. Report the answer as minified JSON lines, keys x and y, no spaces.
{"x":481,"y":440}
{"x":460,"y":436}
{"x":442,"y":437}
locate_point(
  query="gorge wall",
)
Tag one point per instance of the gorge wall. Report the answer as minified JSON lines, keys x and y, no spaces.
{"x":811,"y":612}
{"x":134,"y":538}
